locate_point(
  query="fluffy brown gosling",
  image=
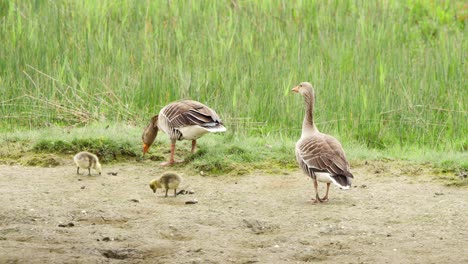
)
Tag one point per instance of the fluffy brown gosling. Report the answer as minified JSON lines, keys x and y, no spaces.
{"x":168,"y":180}
{"x":86,"y":160}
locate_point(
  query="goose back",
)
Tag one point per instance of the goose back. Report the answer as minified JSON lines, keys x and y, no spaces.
{"x":176,"y":116}
{"x":318,"y":153}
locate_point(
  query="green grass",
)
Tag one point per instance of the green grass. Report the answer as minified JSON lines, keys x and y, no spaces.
{"x":388,"y":74}
{"x":216,"y":154}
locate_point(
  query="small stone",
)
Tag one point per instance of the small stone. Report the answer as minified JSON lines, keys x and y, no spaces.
{"x":67,"y":225}
{"x":194,"y":201}
{"x":82,"y":187}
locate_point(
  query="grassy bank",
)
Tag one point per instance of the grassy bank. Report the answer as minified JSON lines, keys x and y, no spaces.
{"x":388,"y":74}
{"x":218,"y":154}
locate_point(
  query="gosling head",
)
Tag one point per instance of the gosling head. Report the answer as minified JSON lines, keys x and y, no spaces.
{"x":98,"y":167}
{"x":149,"y":134}
{"x":154,"y":185}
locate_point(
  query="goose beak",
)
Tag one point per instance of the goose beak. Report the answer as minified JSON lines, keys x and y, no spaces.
{"x":295,"y":89}
{"x":145,"y":148}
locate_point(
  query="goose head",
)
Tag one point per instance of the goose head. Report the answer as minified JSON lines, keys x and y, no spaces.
{"x":149,"y":134}
{"x":302,"y":88}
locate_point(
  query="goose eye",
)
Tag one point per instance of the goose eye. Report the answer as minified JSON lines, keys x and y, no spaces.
{"x":300,"y":85}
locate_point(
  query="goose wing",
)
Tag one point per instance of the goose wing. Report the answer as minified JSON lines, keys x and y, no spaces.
{"x":322,"y":153}
{"x":189,"y":113}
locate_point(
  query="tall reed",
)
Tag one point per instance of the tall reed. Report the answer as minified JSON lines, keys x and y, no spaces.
{"x":385,"y":72}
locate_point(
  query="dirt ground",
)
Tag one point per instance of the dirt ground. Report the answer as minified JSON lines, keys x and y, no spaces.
{"x":394,"y":214}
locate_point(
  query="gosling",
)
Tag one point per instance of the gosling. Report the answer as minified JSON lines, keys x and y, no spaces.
{"x":168,"y":180}
{"x":86,"y":160}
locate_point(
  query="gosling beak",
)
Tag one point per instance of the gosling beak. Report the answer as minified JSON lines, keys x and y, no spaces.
{"x":295,"y":89}
{"x":154,"y":191}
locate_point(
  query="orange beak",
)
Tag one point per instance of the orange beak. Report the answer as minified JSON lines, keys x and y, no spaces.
{"x":145,"y":148}
{"x":295,"y":89}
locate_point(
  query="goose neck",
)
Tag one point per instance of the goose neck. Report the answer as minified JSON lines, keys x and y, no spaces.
{"x":308,"y":124}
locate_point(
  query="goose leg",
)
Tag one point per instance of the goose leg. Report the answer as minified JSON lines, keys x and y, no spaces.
{"x":166,"y":192}
{"x":78,"y":170}
{"x":171,"y":159}
{"x":325,"y":198}
{"x":317,"y":198}
{"x":89,"y":171}
{"x":194,"y":144}
{"x":175,"y":192}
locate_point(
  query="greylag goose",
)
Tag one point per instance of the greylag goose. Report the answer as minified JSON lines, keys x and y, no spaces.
{"x":181,"y":120}
{"x":168,"y":180}
{"x":86,"y":160}
{"x":320,"y":156}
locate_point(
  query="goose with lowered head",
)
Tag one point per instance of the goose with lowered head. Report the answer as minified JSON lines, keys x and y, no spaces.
{"x":182,"y":120}
{"x":320,"y":156}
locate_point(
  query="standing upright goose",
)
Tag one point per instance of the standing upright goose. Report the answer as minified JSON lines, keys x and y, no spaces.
{"x":181,"y":120}
{"x":319,"y":155}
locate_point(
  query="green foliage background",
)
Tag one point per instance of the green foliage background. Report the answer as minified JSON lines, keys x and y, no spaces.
{"x":385,"y":72}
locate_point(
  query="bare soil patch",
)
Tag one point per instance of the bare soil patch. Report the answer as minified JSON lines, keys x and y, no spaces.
{"x":395,"y":213}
